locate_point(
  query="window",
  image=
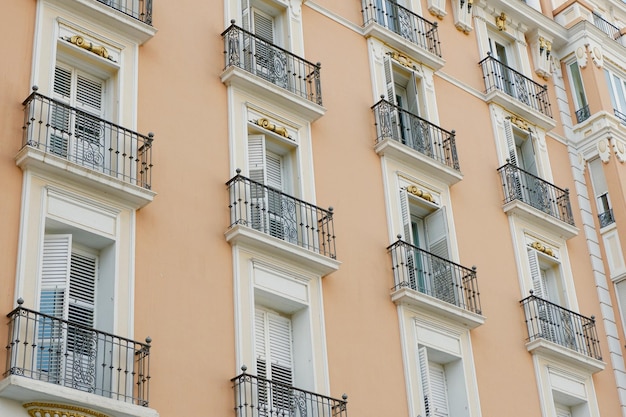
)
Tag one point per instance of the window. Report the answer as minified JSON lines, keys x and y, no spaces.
{"x":579,"y":96}
{"x":425,"y":227}
{"x":403,"y":88}
{"x":77,"y":135}
{"x":443,"y":370}
{"x":556,"y":323}
{"x":617,"y":88}
{"x":505,"y":76}
{"x":393,"y":15}
{"x":69,"y":285}
{"x":269,"y":166}
{"x":261,"y":57}
{"x":521,"y":148}
{"x":601,"y":191}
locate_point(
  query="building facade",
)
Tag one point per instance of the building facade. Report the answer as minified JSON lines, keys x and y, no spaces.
{"x":309,"y":208}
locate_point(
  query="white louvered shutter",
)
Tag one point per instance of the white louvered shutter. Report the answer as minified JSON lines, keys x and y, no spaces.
{"x":539,"y":284}
{"x":411,"y":255}
{"x":273,"y":341}
{"x":389,"y":81}
{"x":53,"y":298}
{"x":434,"y":386}
{"x":510,"y":142}
{"x":59,"y":114}
{"x":274,"y":179}
{"x":425,"y":379}
{"x":562,"y":411}
{"x":443,"y":286}
{"x":263,"y":26}
{"x":544,"y":311}
{"x":256,"y":172}
{"x":438,"y":390}
{"x":245,"y":14}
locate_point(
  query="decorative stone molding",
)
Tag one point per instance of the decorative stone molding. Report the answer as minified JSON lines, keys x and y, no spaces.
{"x":619,"y":148}
{"x":462,"y":11}
{"x":37,"y":409}
{"x":519,"y":122}
{"x":437,"y":8}
{"x":541,"y":48}
{"x":89,"y":46}
{"x":581,"y":56}
{"x":596,"y":55}
{"x":543,"y":248}
{"x":412,"y":189}
{"x":403,"y":60}
{"x":267,"y":125}
{"x":582,"y":162}
{"x":501,"y":22}
{"x":604,"y":150}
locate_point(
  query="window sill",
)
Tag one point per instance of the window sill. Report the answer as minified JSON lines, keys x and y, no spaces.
{"x":279,"y":249}
{"x":23,"y":390}
{"x":109,"y":17}
{"x":515,"y":106}
{"x":250,"y":83}
{"x":545,"y":348}
{"x":393,"y":149}
{"x":32,"y":159}
{"x":403,"y":45}
{"x":544,"y":220}
{"x":431,"y":305}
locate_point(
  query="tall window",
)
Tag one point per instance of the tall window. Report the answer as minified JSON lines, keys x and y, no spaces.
{"x":617,"y":88}
{"x":425,"y":227}
{"x":601,"y":192}
{"x":578,"y":92}
{"x":68,"y":292}
{"x":262,"y":58}
{"x":403,"y":88}
{"x":442,"y":383}
{"x":269,"y":165}
{"x":77,"y":134}
{"x":274,"y":361}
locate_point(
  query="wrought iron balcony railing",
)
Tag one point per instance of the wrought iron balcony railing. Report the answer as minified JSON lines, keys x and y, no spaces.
{"x":549,"y":321}
{"x":400,"y":20}
{"x":260,"y":397}
{"x":138,"y":9}
{"x":498,"y":76}
{"x":60,"y":352}
{"x":282,"y":216}
{"x":621,"y":116}
{"x":607,"y":27}
{"x":520,"y":185}
{"x":432,"y":275}
{"x":416,"y":133}
{"x":583,"y":114}
{"x":84,"y":139}
{"x":606,"y":218}
{"x":257,"y":56}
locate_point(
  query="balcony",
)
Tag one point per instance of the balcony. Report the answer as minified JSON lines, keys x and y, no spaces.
{"x":271,"y":66}
{"x":99,"y":153}
{"x":408,"y":137}
{"x":541,"y":201}
{"x":403,"y":30}
{"x":606,"y":218}
{"x":516,"y":92}
{"x":273,"y":221}
{"x":561,"y":328}
{"x":45,"y":349}
{"x":435,"y":284}
{"x":583,"y":114}
{"x":137,"y":9}
{"x":610,"y":29}
{"x":260,"y":397}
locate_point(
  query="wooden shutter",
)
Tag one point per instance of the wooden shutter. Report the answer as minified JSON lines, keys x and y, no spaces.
{"x":273,"y":345}
{"x":389,"y":81}
{"x":539,"y":285}
{"x":263,"y":26}
{"x":406,"y":217}
{"x":55,"y":275}
{"x":544,"y":313}
{"x":82,"y":294}
{"x":434,"y":388}
{"x":442,"y":279}
{"x":256,"y":172}
{"x":245,"y":14}
{"x":510,"y":142}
